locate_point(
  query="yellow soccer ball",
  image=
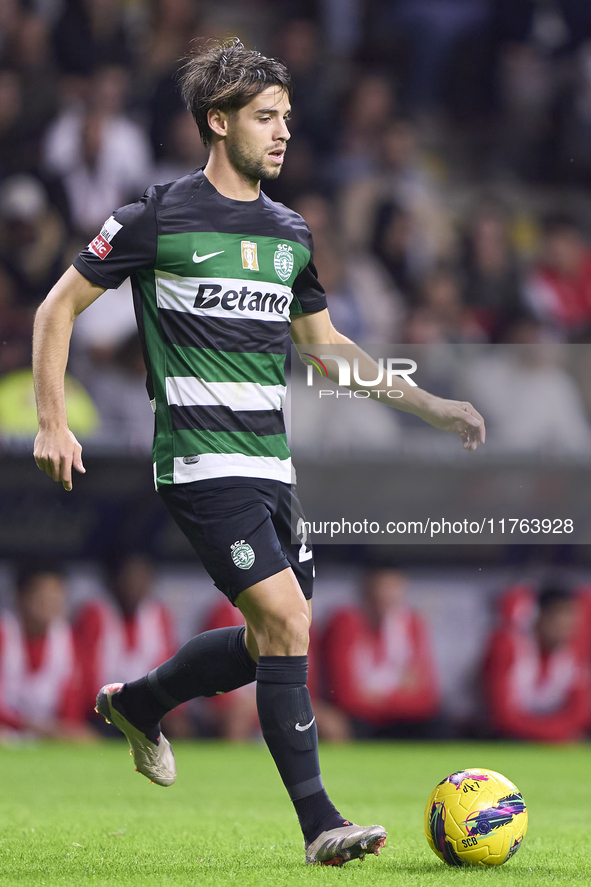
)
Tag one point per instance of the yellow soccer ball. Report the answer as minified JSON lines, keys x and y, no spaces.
{"x":475,"y":817}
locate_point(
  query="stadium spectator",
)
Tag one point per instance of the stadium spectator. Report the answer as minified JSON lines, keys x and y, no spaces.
{"x":530,"y":398}
{"x":440,"y":293}
{"x":392,"y":244}
{"x":28,"y":54}
{"x":32,"y":238}
{"x":370,"y":105}
{"x":126,"y":635}
{"x":342,"y":26}
{"x":536,"y":680}
{"x":118,"y":389}
{"x":517,"y":607}
{"x":101,"y":330}
{"x":17,"y":400}
{"x":343,"y":302}
{"x":491,"y":275}
{"x":16,"y":323}
{"x":313,"y":89}
{"x":12,"y":123}
{"x":102,"y":157}
{"x":40,"y":690}
{"x":421,"y":327}
{"x":379,"y":663}
{"x":584,"y":618}
{"x":183,"y":149}
{"x":574,"y":161}
{"x":91,"y":33}
{"x":361,"y":297}
{"x":433,"y":28}
{"x":31,"y":243}
{"x":395,"y":208}
{"x":559,"y":289}
{"x":171,"y":26}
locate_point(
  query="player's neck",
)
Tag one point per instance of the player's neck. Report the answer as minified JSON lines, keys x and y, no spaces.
{"x":228,"y":181}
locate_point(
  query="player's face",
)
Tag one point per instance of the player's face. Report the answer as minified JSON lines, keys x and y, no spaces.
{"x":257,"y":135}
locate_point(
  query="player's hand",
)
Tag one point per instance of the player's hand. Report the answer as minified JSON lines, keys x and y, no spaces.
{"x":56,"y":452}
{"x":459,"y":417}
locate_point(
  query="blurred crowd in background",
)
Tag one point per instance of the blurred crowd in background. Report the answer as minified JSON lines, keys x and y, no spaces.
{"x":384,"y":663}
{"x":441,"y":156}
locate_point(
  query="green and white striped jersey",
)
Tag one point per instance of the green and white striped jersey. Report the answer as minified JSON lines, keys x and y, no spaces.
{"x":215,"y":282}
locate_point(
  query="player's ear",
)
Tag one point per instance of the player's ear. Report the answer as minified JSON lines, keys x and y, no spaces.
{"x":218,"y":122}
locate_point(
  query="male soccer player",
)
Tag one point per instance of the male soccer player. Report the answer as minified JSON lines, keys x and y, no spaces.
{"x":221,"y":277}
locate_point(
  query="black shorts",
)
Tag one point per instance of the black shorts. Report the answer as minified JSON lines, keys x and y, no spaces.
{"x":241,"y":528}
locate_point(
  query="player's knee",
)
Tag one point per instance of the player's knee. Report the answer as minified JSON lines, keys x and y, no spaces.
{"x":287,"y":634}
{"x":297,"y":627}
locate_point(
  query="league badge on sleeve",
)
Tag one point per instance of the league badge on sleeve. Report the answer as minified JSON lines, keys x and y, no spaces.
{"x":101,"y":245}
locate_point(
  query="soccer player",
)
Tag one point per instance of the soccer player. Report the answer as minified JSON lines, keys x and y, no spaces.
{"x":221,"y":276}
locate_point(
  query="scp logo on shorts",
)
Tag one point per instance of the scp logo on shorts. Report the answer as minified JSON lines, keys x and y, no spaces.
{"x":242,"y":554}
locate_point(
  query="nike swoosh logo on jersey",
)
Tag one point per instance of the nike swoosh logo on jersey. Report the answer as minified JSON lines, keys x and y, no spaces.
{"x":198,"y":259}
{"x":306,"y":727}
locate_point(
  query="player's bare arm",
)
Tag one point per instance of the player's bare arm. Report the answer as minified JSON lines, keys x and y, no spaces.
{"x":458,"y":417}
{"x":56,"y":449}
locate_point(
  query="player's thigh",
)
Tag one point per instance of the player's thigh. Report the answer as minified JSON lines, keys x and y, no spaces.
{"x":278,"y":611}
{"x":229,"y":524}
{"x":275,"y":608}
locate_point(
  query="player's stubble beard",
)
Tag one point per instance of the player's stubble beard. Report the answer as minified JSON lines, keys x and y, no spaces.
{"x":250,"y":167}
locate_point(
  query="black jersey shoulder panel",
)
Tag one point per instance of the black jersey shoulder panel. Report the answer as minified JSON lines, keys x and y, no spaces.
{"x":192,"y":204}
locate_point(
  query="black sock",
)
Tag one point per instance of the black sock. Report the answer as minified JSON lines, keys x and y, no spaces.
{"x":317,"y":814}
{"x":210,"y":663}
{"x":289,"y":729}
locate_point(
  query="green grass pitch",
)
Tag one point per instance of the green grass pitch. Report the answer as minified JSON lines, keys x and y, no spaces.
{"x":80,"y":815}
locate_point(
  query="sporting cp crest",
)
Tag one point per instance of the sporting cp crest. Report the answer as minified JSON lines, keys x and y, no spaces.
{"x":283,"y":261}
{"x":242,"y":554}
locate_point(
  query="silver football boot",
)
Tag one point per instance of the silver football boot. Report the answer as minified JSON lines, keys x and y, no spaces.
{"x":340,"y":845}
{"x":153,"y":759}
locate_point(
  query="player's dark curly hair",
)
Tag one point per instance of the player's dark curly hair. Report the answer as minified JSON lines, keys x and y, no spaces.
{"x":226,"y":76}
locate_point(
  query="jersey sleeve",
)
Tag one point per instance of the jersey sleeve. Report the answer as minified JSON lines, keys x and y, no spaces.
{"x":127,"y":242}
{"x":309,"y":296}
